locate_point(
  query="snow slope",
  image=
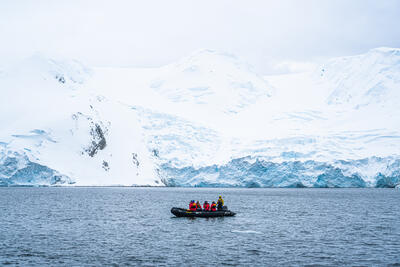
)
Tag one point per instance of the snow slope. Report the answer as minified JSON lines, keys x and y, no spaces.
{"x":364,"y":80}
{"x":207,"y":120}
{"x":56,"y":131}
{"x":219,"y":81}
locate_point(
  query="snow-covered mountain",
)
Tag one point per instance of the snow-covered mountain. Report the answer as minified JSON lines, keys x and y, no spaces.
{"x":363,"y":80}
{"x":207,"y":120}
{"x":56,"y":131}
{"x":219,"y":81}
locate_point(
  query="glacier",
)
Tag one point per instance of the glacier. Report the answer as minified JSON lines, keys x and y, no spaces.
{"x":250,"y":172}
{"x":206,"y":120}
{"x":16,"y":169}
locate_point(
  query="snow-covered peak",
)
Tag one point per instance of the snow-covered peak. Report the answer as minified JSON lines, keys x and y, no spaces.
{"x":386,"y":50}
{"x":219,"y":81}
{"x":38,"y":85}
{"x":370,"y":78}
{"x":39,"y":66}
{"x":210,"y":60}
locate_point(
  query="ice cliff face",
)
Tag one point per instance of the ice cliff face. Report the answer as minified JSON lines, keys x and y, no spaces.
{"x":18,"y":169}
{"x":207,"y":120}
{"x":250,"y":172}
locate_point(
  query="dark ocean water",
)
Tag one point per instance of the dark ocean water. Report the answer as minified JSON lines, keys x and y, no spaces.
{"x":134,"y":226}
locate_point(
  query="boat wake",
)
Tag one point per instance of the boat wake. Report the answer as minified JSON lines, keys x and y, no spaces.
{"x":246,"y":232}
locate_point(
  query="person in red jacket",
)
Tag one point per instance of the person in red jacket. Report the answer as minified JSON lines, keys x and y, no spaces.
{"x":198,"y":206}
{"x":192,"y":206}
{"x":213,"y":206}
{"x":206,"y":206}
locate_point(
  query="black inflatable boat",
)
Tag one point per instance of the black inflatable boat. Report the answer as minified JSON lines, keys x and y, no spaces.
{"x":178,"y":212}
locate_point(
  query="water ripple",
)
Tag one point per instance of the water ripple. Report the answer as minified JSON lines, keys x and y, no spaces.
{"x":133,"y":226}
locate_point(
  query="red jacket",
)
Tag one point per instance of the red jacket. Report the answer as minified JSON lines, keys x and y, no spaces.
{"x":214,"y":207}
{"x":192,"y":206}
{"x":206,"y":206}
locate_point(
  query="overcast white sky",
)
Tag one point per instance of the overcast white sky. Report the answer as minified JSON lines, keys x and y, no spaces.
{"x":153,"y":33}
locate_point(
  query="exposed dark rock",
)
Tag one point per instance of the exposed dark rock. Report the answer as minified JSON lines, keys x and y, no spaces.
{"x":105,"y":165}
{"x":155,"y":153}
{"x":60,"y":79}
{"x":98,"y":142}
{"x":135,"y":159}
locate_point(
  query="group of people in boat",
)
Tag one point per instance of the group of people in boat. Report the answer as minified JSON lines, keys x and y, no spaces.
{"x":196,"y":206}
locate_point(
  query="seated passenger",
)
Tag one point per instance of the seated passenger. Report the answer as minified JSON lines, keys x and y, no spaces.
{"x":206,"y":206}
{"x":198,"y":206}
{"x":220,"y":203}
{"x":213,"y":206}
{"x":192,"y":206}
